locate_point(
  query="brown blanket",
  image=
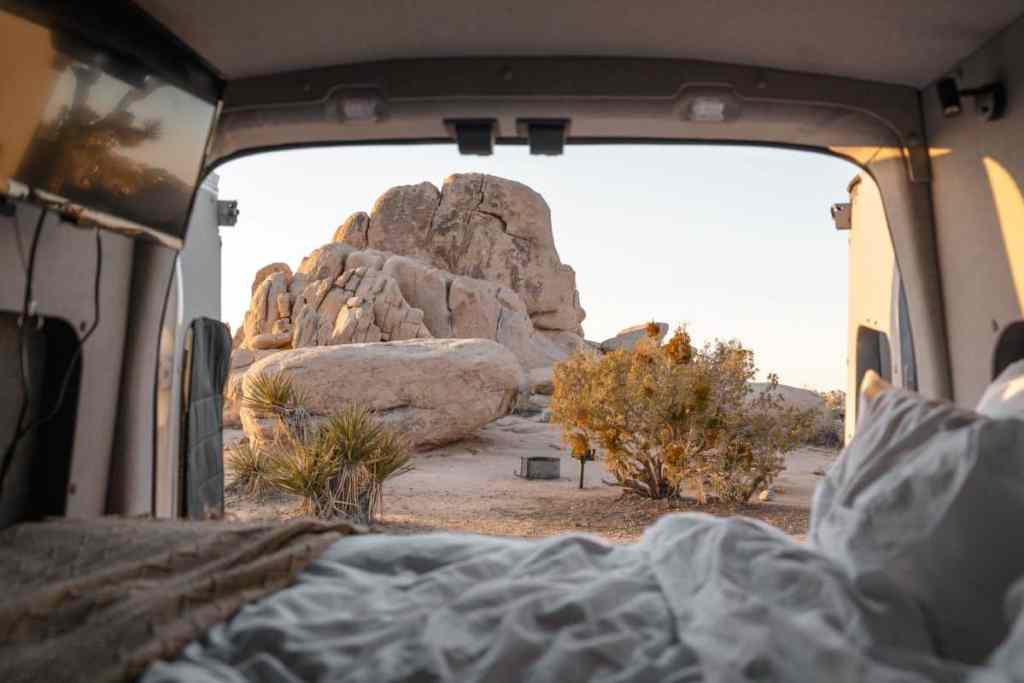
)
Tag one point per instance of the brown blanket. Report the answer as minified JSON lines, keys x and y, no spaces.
{"x":99,"y":599}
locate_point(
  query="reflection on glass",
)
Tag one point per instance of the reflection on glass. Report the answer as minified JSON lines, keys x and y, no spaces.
{"x":108,"y":135}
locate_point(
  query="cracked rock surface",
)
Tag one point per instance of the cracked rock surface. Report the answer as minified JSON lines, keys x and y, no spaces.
{"x":479,"y":226}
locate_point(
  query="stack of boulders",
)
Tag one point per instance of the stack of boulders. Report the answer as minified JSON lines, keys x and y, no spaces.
{"x":475,"y":260}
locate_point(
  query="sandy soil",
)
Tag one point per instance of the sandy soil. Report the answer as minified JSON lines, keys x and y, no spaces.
{"x":470,"y":487}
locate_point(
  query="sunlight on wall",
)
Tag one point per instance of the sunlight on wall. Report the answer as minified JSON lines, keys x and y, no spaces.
{"x":1010,"y":208}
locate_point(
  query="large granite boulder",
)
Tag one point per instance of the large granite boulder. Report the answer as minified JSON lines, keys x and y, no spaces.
{"x":435,"y":391}
{"x":482,"y":227}
{"x":241,"y":361}
{"x":628,"y":338}
{"x":268,"y":270}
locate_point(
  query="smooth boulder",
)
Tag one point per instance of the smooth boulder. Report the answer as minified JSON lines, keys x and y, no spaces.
{"x":435,"y":391}
{"x":628,"y":338}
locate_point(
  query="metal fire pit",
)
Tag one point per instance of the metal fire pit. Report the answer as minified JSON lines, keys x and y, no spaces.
{"x":539,"y":467}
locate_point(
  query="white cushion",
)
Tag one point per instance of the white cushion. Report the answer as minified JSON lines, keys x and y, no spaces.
{"x":1005,"y":396}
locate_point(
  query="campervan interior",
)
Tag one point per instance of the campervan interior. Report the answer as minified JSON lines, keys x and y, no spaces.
{"x":118,"y":114}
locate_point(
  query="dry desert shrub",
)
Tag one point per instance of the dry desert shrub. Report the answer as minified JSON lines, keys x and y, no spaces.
{"x":674,"y":416}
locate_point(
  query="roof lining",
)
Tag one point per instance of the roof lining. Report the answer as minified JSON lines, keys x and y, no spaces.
{"x":417,"y":96}
{"x":879,"y":40}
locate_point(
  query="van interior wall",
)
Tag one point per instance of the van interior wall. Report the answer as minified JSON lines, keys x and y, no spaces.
{"x":112,"y":450}
{"x":978,"y":180}
{"x":63,"y":282}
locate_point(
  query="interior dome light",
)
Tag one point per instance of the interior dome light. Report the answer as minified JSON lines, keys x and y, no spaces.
{"x":707,"y":109}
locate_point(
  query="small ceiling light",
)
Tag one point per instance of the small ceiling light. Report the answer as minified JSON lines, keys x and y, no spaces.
{"x":708,"y":104}
{"x":358,"y":106}
{"x":708,"y":109}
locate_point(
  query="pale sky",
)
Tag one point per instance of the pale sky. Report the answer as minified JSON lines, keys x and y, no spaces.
{"x":733,"y":242}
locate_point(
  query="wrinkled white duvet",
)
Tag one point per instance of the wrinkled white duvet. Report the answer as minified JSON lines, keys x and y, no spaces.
{"x":699,"y":599}
{"x":916,"y":560}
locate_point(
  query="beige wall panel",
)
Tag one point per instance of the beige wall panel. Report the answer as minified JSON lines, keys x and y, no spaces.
{"x":979,"y":211}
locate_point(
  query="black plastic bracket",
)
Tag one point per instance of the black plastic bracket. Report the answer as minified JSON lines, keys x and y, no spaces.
{"x":841,"y":215}
{"x":546,"y":136}
{"x":989,"y":99}
{"x":227,"y":212}
{"x":474,"y":136}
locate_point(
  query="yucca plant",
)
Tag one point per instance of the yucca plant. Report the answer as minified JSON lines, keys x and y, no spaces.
{"x":276,"y":395}
{"x":339,"y":466}
{"x":303,"y":467}
{"x":273,"y":394}
{"x":390,"y":460}
{"x":251,"y":468}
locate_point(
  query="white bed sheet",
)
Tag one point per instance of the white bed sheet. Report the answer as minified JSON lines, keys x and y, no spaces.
{"x":698,"y":599}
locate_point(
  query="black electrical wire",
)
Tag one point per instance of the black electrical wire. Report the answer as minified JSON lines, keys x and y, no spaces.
{"x":68,"y":373}
{"x":22,"y":355}
{"x":76,"y":356}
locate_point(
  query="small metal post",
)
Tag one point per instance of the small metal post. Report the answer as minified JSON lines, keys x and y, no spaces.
{"x":589,"y":455}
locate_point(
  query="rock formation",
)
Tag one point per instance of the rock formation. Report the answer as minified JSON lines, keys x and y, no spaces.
{"x":474,"y":261}
{"x":482,"y":227}
{"x":435,"y":390}
{"x":627,"y":339}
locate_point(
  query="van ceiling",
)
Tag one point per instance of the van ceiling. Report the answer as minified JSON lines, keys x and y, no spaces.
{"x":906,"y":43}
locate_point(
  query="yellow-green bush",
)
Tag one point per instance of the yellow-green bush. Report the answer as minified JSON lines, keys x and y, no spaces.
{"x":675,"y":418}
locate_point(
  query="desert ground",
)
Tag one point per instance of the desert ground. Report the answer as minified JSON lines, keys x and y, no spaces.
{"x":470,"y":486}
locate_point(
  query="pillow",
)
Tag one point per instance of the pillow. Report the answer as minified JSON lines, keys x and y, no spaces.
{"x":1005,"y":396}
{"x":928,"y":499}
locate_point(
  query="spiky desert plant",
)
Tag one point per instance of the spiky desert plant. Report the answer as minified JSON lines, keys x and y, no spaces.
{"x":339,"y":466}
{"x":368,"y":453}
{"x":276,"y":395}
{"x":272,"y":393}
{"x":304,"y":467}
{"x":391,"y":460}
{"x":251,"y":468}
